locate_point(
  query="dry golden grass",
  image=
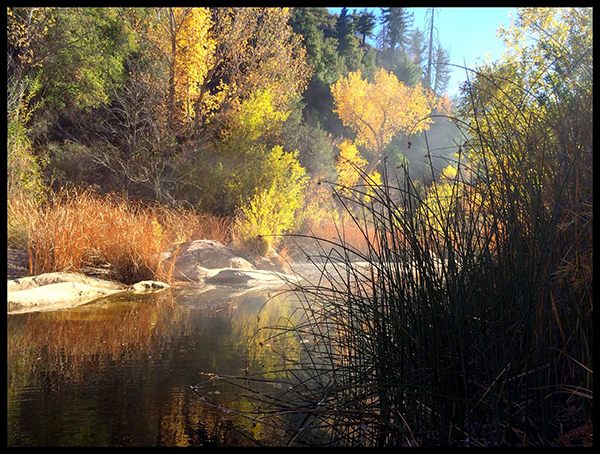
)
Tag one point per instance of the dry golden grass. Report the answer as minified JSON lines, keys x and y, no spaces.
{"x":78,"y":230}
{"x":356,"y":238}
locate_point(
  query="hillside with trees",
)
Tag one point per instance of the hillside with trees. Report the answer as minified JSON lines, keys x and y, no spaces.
{"x":133,"y":130}
{"x":185,"y":104}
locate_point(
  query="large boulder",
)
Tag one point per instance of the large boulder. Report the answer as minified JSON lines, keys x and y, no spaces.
{"x":63,"y":290}
{"x":195,"y":260}
{"x":212,"y":263}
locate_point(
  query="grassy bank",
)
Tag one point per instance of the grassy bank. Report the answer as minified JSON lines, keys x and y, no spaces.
{"x":469,"y":321}
{"x":80,"y":231}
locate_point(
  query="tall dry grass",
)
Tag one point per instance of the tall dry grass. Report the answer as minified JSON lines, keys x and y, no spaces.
{"x":77,"y":230}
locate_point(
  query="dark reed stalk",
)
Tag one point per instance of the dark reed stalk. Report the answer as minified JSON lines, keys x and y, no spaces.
{"x":467,"y":319}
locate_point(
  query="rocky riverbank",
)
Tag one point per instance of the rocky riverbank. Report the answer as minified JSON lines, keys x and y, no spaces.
{"x":199,"y":263}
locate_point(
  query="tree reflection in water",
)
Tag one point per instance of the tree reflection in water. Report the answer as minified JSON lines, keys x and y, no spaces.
{"x":119,"y":371}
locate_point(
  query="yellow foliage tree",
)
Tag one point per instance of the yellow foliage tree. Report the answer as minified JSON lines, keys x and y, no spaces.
{"x":182,"y":37}
{"x":272,"y":210}
{"x":377,"y":111}
{"x":349,"y":167}
{"x":222,"y":60}
{"x":258,"y":115}
{"x":257,"y":59}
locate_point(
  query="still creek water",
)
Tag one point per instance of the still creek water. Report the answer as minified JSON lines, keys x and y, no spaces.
{"x":119,"y":372}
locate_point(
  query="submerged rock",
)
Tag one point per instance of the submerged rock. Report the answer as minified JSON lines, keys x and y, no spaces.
{"x":248,"y":277}
{"x":148,"y":286}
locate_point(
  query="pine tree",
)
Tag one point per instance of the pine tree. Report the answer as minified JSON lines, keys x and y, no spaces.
{"x":396,"y":21}
{"x":442,"y":70}
{"x":417,"y":46}
{"x":345,"y":31}
{"x":365,"y":24}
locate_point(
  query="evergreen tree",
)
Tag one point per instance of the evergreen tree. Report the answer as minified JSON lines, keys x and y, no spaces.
{"x":402,"y":66}
{"x":318,"y":29}
{"x":396,"y":22}
{"x":417,"y":46}
{"x":442,"y":70}
{"x":315,"y":24}
{"x":365,"y":24}
{"x":345,"y":31}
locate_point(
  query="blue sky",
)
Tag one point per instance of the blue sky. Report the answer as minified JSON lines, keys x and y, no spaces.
{"x":469,"y":33}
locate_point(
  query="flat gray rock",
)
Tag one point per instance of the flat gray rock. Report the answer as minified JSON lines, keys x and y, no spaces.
{"x":195,"y":259}
{"x":30,"y":282}
{"x":52,"y":291}
{"x":60,"y":294}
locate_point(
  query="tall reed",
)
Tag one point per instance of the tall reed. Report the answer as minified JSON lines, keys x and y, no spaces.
{"x":468,"y":319}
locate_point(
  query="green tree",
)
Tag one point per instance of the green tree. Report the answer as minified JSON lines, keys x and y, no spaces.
{"x":23,"y":166}
{"x":417,"y":46}
{"x":442,"y":70}
{"x":365,"y":24}
{"x":26,"y":28}
{"x":314,"y":144}
{"x":70,"y":59}
{"x":316,"y":26}
{"x":399,"y":62}
{"x":396,"y":23}
{"x":311,"y":24}
{"x":131,"y":138}
{"x":344,"y":28}
{"x":348,"y":44}
{"x":84,"y":49}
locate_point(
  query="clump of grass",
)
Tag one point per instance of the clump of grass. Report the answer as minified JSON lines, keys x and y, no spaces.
{"x":184,"y":224}
{"x":20,"y":208}
{"x":76,"y":229}
{"x":467,"y":321}
{"x":79,"y":231}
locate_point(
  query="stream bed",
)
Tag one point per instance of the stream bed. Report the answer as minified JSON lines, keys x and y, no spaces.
{"x":120,"y":371}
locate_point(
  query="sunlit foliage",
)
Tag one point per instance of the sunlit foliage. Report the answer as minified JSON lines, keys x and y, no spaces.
{"x":378,"y":110}
{"x":181,"y":37}
{"x":350,"y":166}
{"x":272,"y":210}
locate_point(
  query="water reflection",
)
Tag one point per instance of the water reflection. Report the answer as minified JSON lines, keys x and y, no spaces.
{"x":118,"y":372}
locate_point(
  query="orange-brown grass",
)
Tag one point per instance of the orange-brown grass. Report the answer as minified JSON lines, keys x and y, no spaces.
{"x":78,"y":231}
{"x":187,"y":225}
{"x":358,"y":238}
{"x":19,"y":212}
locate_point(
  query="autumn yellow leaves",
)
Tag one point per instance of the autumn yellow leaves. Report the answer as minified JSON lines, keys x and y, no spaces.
{"x":218,"y":58}
{"x":376,"y":112}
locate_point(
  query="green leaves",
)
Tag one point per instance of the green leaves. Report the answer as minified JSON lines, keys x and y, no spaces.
{"x":272,"y":210}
